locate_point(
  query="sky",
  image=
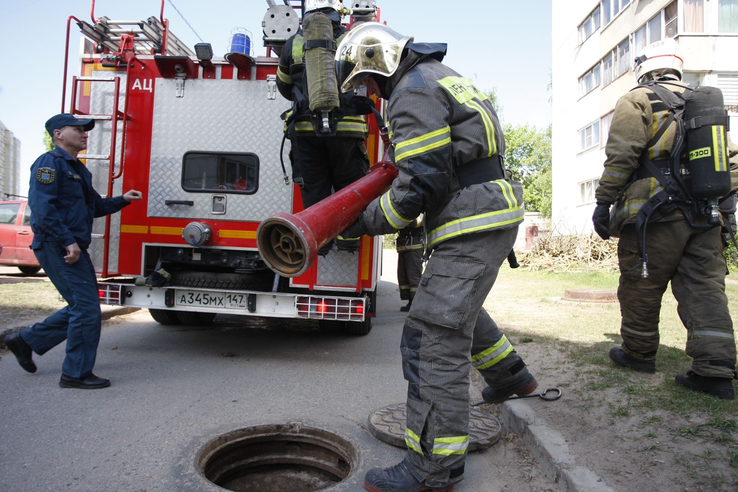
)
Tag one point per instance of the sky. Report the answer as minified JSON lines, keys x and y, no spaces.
{"x":500,"y":45}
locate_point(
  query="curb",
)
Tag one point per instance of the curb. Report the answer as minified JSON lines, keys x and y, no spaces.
{"x":107,"y":312}
{"x":550,"y":449}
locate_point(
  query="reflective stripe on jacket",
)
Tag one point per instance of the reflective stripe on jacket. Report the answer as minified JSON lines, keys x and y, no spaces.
{"x":440,"y":121}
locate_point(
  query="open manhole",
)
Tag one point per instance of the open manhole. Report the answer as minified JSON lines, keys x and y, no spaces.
{"x":388,"y":425}
{"x":281,"y":457}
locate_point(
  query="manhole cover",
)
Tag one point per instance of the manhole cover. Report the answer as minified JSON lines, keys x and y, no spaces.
{"x":388,"y":425}
{"x":590,"y":295}
{"x":277,"y":458}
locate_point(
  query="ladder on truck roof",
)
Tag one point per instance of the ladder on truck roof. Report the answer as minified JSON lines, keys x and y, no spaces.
{"x":147,"y":37}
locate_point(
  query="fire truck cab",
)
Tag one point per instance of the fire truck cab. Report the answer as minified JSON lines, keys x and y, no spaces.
{"x":201,"y":136}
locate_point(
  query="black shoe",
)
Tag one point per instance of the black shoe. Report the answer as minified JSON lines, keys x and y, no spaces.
{"x":719,"y":387}
{"x":398,"y":478}
{"x":406,"y":308}
{"x":21,"y":350}
{"x":90,"y":382}
{"x":326,"y":248}
{"x":499,"y":395}
{"x":619,"y":357}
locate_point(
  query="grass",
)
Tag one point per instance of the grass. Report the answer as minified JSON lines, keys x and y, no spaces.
{"x":21,"y":302}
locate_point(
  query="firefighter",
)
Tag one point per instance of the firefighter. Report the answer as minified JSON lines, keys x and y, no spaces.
{"x":680,"y":251}
{"x":410,"y":244}
{"x":64,"y":205}
{"x":321,"y":164}
{"x":446,"y":144}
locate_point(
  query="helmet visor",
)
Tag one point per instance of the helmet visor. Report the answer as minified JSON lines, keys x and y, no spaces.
{"x":344,"y":68}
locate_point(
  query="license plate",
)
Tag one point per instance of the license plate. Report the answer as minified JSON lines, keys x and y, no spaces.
{"x":227,"y":300}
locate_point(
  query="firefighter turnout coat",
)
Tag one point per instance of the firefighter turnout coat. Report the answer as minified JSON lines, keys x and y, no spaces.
{"x":687,"y":256}
{"x":440,"y":124}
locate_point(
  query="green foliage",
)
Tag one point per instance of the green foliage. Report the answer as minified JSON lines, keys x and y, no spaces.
{"x":48,"y":143}
{"x":528,"y":157}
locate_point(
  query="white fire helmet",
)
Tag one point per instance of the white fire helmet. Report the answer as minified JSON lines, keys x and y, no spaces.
{"x":370,"y":48}
{"x":658,"y":60}
{"x":311,"y":5}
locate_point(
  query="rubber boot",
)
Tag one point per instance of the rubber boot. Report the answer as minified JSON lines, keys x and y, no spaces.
{"x":718,"y":387}
{"x":619,"y":357}
{"x":406,"y":308}
{"x":499,"y":395}
{"x":399,"y":478}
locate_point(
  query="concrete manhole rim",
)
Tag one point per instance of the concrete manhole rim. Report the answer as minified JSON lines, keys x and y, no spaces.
{"x":293,"y":432}
{"x":598,"y":296}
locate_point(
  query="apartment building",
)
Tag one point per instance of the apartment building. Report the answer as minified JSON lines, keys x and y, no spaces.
{"x":9,"y":163}
{"x":594,"y":44}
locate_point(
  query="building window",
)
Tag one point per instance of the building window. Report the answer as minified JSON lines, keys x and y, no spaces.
{"x":670,"y":20}
{"x":694,"y":15}
{"x":649,"y":33}
{"x":222,"y":172}
{"x":587,"y":190}
{"x":616,"y":63}
{"x":611,"y":8}
{"x":605,"y":122}
{"x":727,"y":15}
{"x":590,"y":135}
{"x":589,"y":26}
{"x":589,"y":81}
{"x":607,"y":75}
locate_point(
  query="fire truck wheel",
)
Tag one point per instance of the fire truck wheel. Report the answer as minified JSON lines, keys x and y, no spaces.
{"x":29,"y":270}
{"x":253,"y":281}
{"x":165,"y":317}
{"x":195,"y":319}
{"x":350,"y":327}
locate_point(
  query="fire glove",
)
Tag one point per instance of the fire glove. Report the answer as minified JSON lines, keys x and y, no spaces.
{"x":601,"y":219}
{"x":354,"y":231}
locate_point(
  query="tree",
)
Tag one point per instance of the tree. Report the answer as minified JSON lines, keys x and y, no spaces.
{"x":48,"y":143}
{"x":528,"y":158}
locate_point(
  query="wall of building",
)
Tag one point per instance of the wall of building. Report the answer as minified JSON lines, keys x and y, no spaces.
{"x":709,"y":59}
{"x":9,"y":163}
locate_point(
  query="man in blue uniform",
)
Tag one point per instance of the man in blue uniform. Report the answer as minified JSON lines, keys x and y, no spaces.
{"x":64,"y":205}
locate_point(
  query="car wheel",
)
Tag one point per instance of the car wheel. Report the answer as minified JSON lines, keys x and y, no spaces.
{"x":191,"y":318}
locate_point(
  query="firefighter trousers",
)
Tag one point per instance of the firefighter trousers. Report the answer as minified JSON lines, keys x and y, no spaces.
{"x":409,"y":270}
{"x":446,"y":333}
{"x":692,"y":259}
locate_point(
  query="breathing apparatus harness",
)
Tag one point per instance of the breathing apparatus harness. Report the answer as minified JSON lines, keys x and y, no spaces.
{"x":701,"y":124}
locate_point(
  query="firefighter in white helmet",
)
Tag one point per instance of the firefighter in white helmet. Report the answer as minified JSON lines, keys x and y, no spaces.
{"x":321,"y":162}
{"x":446,"y":143}
{"x":681,"y":246}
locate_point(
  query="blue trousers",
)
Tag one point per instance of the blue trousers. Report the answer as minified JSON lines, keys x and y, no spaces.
{"x":79,"y":323}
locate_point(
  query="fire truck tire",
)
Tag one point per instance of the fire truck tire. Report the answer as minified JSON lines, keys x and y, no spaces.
{"x":350,"y":327}
{"x":29,"y":270}
{"x":190,"y":318}
{"x":228,"y":281}
{"x":165,"y":317}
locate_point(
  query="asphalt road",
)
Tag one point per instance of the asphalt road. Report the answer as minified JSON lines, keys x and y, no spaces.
{"x":176,"y":388}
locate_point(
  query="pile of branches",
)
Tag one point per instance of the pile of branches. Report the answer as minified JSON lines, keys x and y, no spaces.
{"x":571,"y":253}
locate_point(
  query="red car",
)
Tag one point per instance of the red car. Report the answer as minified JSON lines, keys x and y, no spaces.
{"x":16,"y":236}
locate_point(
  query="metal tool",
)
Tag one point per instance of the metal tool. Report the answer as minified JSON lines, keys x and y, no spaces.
{"x":555,"y":395}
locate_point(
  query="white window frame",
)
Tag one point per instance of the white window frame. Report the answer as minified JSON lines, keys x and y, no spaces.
{"x":605,"y":123}
{"x":594,"y":136}
{"x":587,"y":190}
{"x":607,"y":10}
{"x":711,"y":19}
{"x":594,"y":22}
{"x":596,"y":80}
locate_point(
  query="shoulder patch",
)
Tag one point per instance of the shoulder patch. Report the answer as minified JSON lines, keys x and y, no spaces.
{"x":45,"y":175}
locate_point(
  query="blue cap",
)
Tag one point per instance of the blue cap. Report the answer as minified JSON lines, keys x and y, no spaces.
{"x":65,"y":119}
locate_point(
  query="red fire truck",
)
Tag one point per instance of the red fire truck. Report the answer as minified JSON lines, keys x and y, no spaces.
{"x":202,"y":137}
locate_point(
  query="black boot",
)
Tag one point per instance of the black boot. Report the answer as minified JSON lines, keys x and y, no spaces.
{"x":619,"y":357}
{"x":406,"y":307}
{"x":21,"y":350}
{"x":398,"y":478}
{"x":719,"y":387}
{"x":521,"y":388}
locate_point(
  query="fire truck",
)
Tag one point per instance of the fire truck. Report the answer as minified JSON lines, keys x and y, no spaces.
{"x":201,"y":136}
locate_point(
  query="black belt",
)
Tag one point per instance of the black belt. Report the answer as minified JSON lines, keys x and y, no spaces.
{"x":479,"y":171}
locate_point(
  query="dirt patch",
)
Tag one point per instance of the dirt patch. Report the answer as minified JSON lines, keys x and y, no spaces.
{"x":632,"y":446}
